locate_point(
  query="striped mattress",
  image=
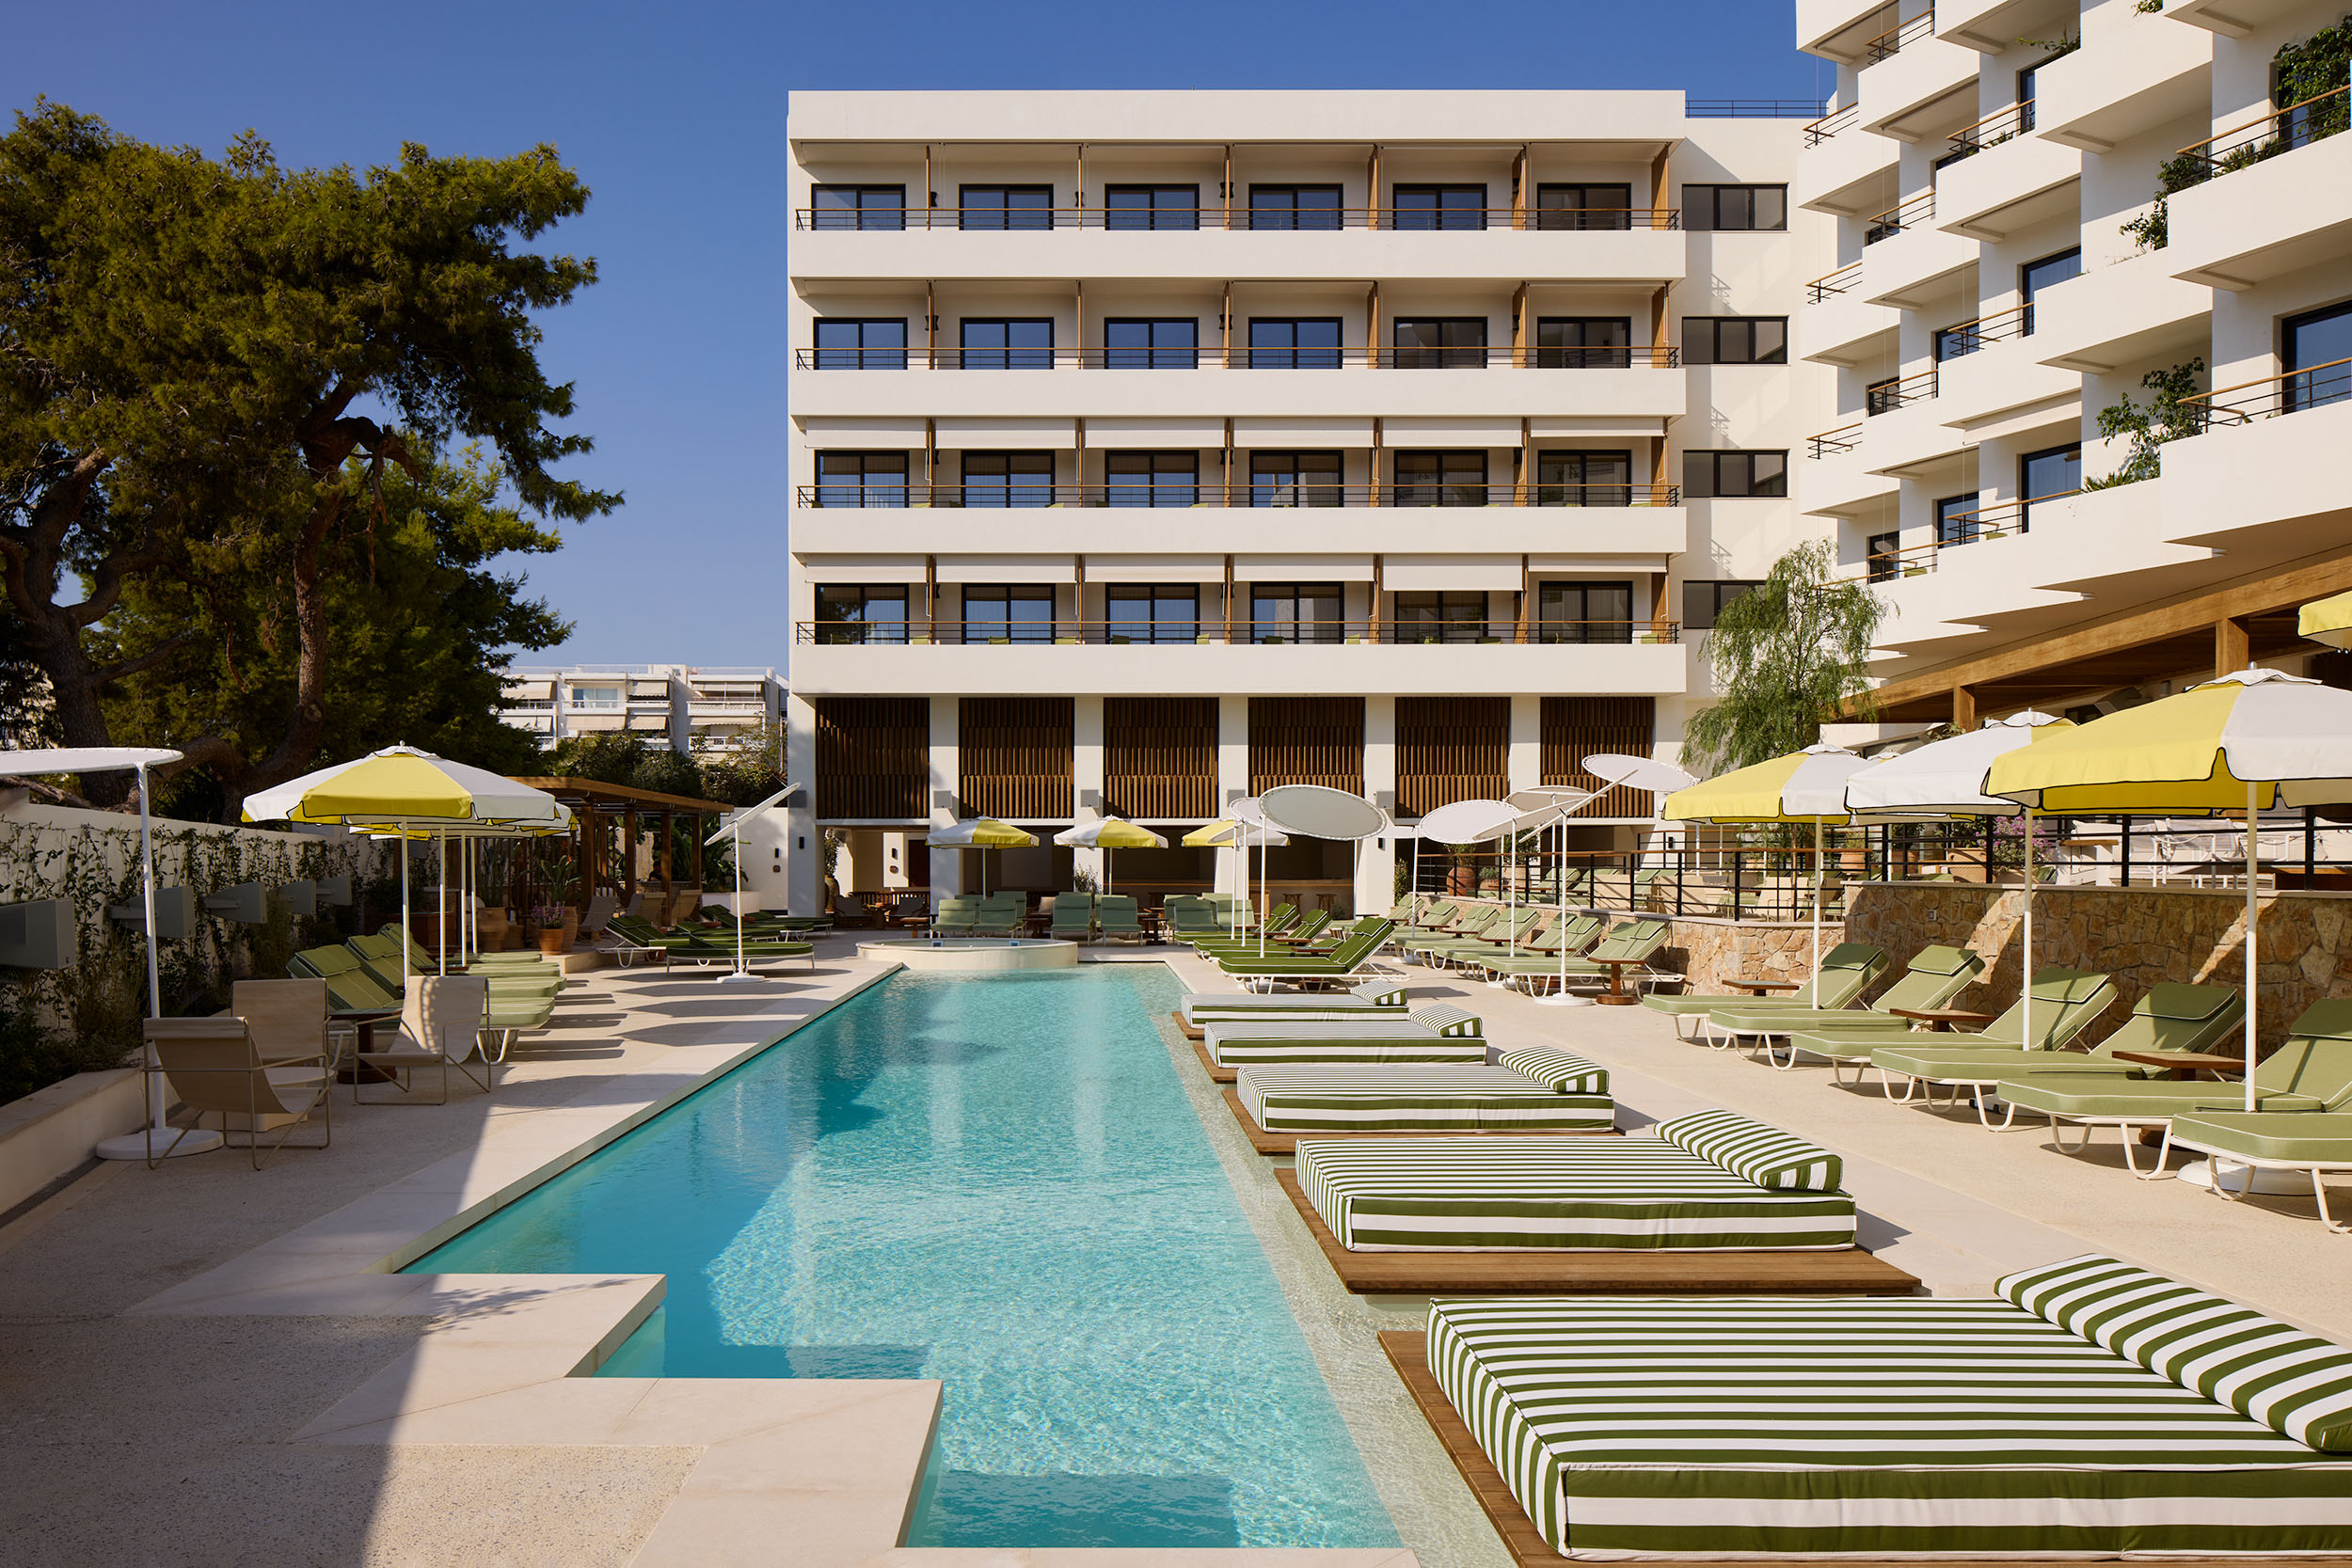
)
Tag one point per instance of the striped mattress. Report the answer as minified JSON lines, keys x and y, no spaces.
{"x":1375,"y":999}
{"x":1344,"y":1097}
{"x":1679,"y":1427}
{"x":1576,"y":1194}
{"x":1436,"y":1032}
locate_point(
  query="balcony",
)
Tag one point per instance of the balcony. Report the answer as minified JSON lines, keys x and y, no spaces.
{"x":1911,"y":436}
{"x":1639,"y":245}
{"x":1990,"y":27}
{"x":2259,"y":481}
{"x":2132,"y":310}
{"x":1909,"y":263}
{"x":2001,"y":371}
{"x":1907,"y":73}
{"x":2134,"y":74}
{"x":2006,"y":179}
{"x":1639,"y":659}
{"x":1838,"y":326}
{"x":2254,"y":217}
{"x":1837,"y":481}
{"x":1843,"y":169}
{"x":2231,"y":18}
{"x":1841,"y":29}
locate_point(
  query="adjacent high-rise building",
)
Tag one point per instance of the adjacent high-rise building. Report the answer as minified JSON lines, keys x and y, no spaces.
{"x":1152,"y":449}
{"x":687,"y":707}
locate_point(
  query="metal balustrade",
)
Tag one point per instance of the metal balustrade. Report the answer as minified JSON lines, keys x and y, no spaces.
{"x":1439,"y":356}
{"x":1244,"y":491}
{"x":1287,"y":219}
{"x":1191,"y":632}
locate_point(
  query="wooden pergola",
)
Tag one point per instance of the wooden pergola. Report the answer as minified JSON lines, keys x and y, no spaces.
{"x":591,"y":802}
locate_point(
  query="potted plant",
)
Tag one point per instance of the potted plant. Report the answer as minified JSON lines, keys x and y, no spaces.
{"x":557,"y":924}
{"x":1461,"y":878}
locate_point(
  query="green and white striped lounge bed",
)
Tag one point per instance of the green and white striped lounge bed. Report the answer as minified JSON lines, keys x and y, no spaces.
{"x":1437,"y":1031}
{"x":1538,"y":1090}
{"x":1711,"y":1181}
{"x":2091,"y":1409}
{"x":1374,"y":998}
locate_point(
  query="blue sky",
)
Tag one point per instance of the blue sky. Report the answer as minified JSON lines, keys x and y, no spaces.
{"x":675,"y":115}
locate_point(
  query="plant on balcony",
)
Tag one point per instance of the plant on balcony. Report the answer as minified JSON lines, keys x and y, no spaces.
{"x":2149,"y":426}
{"x":1785,"y":657}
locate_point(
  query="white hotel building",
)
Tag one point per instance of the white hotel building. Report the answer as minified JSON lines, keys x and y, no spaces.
{"x":1150,"y":449}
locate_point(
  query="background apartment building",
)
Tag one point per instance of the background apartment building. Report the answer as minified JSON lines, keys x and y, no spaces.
{"x":2038,"y":205}
{"x":1153,"y":449}
{"x":683,"y":706}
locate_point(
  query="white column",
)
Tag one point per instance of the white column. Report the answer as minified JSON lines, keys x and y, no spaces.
{"x":947,"y":865}
{"x":1525,"y":767}
{"x":1085,"y":777}
{"x":803,"y":855}
{"x":1376,"y":858}
{"x":1233,"y":780}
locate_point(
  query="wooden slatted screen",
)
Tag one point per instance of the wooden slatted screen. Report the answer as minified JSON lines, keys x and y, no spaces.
{"x":1012,"y":757}
{"x":1451,"y":749}
{"x":1317,"y":741}
{"x":1576,"y":727}
{"x":1159,"y":757}
{"x":873,"y":759}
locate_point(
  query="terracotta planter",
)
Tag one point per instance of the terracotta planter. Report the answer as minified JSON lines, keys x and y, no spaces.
{"x":1461,"y":881}
{"x":556,"y":939}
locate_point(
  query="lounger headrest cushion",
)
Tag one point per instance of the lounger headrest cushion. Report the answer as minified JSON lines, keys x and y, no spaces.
{"x":2297,"y":1384}
{"x":2327,"y":1021}
{"x":1448,"y":1021}
{"x":2068,"y":985}
{"x":1755,"y":1152}
{"x":1559,"y":1071}
{"x":2193,"y":1004}
{"x":1940,"y":960}
{"x":1381,"y":993}
{"x":1851,"y":954}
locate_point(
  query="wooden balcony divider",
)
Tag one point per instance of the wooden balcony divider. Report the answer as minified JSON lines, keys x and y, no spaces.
{"x":1159,"y":757}
{"x":1317,"y":741}
{"x":1451,"y":749}
{"x":1576,"y":727}
{"x":873,"y":758}
{"x":1013,"y":759}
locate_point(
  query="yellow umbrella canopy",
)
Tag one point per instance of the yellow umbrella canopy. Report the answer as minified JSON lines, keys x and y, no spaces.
{"x":2328,"y":621}
{"x":397,"y":785}
{"x":1803,"y":787}
{"x":984,"y":832}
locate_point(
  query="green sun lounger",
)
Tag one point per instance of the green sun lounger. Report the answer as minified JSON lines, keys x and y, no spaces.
{"x":1116,"y":918}
{"x":1499,"y":937}
{"x":1301,"y":935}
{"x":1074,"y":917}
{"x":1639,"y":940}
{"x":2043,"y":1421}
{"x":1372,"y":999}
{"x":350,"y":989}
{"x":955,"y":916}
{"x":2310,"y":1072}
{"x":1845,"y":972}
{"x":380,"y":954}
{"x":2318,"y":1142}
{"x":1709,"y":1182}
{"x":1537,"y":1090}
{"x":1437,"y":1031}
{"x":1347,"y":960}
{"x":1933,"y":977}
{"x":1534,"y":960}
{"x":1467,"y":923}
{"x":2065,"y":1002}
{"x":1001,"y":915}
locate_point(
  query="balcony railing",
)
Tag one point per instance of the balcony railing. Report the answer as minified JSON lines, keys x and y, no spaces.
{"x":1963,"y":338}
{"x":1830,"y":285}
{"x":1255,"y":491}
{"x":1829,"y":125}
{"x":1993,"y":129}
{"x":2315,"y":119}
{"x":1897,"y":38}
{"x":1191,"y":633}
{"x":1909,"y":214}
{"x":1751,"y":108}
{"x":1833,"y":443}
{"x":1884,"y":397}
{"x":1998,"y":521}
{"x":2290,"y":392}
{"x":1470,"y":357}
{"x":1406,"y":219}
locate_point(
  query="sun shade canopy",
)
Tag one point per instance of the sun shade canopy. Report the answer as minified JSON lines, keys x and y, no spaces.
{"x":2327,"y":620}
{"x":1803,"y":787}
{"x":983,"y":833}
{"x":400,"y":783}
{"x":1110,"y":832}
{"x":1317,"y":811}
{"x":1945,"y":778}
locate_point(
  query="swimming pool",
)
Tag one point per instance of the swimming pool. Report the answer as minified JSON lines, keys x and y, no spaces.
{"x":1000,"y":1183}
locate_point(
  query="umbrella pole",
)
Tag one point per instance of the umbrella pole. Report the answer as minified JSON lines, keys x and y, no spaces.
{"x":440,"y":897}
{"x":1817,"y":895}
{"x":403,"y":826}
{"x":141,"y":1144}
{"x":2252,"y":997}
{"x":2028,"y":961}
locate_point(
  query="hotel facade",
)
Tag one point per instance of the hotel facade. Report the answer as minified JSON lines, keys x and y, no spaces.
{"x":1149,"y":449}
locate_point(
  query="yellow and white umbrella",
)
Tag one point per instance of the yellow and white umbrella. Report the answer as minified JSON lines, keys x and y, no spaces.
{"x":1107,"y":834}
{"x":1801,"y":786}
{"x":2328,"y":621}
{"x":983,"y":833}
{"x":2246,"y":741}
{"x":1232,"y":832}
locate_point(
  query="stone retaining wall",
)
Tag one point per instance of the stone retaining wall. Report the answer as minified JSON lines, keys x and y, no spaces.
{"x":1713,"y":953}
{"x":2139,"y":935}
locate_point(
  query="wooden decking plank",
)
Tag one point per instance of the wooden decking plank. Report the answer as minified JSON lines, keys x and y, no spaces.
{"x":1208,"y":1063}
{"x":1185,"y":1027}
{"x":1852,"y":1273}
{"x":1287,"y":1143}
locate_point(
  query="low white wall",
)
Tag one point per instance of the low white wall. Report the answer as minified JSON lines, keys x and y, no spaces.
{"x":49,"y":1132}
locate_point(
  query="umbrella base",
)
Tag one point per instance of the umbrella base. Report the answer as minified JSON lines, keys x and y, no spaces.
{"x":134,"y":1146}
{"x":1565,"y":999}
{"x":2281,"y":1184}
{"x":738,"y":977}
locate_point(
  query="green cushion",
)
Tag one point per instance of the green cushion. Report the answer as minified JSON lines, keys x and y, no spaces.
{"x":2311,"y":1137}
{"x":1560,"y":1072}
{"x":1764,"y":1155}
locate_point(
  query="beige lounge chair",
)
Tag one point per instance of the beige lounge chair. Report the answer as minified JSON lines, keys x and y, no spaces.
{"x":441,"y":1021}
{"x":219,"y":1072}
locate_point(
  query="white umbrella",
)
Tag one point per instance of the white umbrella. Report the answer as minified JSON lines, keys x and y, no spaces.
{"x":1553,"y":807}
{"x":1108,"y":834}
{"x":1232,"y":832}
{"x":1318,"y":811}
{"x":138,"y":759}
{"x":1479,"y":821}
{"x":732,"y":828}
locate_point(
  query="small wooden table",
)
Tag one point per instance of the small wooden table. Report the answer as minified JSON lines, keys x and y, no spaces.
{"x":2180,"y":1062}
{"x":1760,"y":987}
{"x":1616,"y":995}
{"x":363,"y":1022}
{"x":1939,"y":1019}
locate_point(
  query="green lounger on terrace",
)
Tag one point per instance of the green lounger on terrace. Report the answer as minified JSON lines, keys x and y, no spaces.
{"x":1302,"y":934}
{"x":1435,"y":918}
{"x":2172,"y":1017}
{"x":1498,"y":936}
{"x":2065,"y":1001}
{"x":1468,"y":920}
{"x":380,"y":954}
{"x":1638,"y":940}
{"x":2315,"y":1142}
{"x":955,"y":916}
{"x":2038,"y":1422}
{"x":1190,"y":919}
{"x":1845,"y":972}
{"x":1374,"y":998}
{"x":1116,"y":919}
{"x":1074,"y":917}
{"x":1706,"y":1183}
{"x":2311,"y":1072}
{"x":1933,"y":977}
{"x":1536,"y":1090}
{"x":350,"y":989}
{"x":1437,"y":1031}
{"x":1345,"y":961}
{"x":1001,"y":914}
{"x":1540,"y":959}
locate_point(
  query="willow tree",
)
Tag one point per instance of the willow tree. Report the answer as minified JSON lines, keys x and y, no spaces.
{"x":196,"y":355}
{"x":1786,"y":658}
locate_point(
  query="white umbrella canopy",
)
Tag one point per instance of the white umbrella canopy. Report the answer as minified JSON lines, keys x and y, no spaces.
{"x":400,"y":783}
{"x":115,"y":759}
{"x":1107,"y":834}
{"x":1800,"y":786}
{"x":732,"y":828}
{"x":1241,"y":831}
{"x":1318,"y":811}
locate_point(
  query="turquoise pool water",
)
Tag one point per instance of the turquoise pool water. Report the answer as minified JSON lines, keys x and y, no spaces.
{"x":998,"y":1183}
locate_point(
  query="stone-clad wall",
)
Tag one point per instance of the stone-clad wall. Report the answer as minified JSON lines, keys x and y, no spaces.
{"x":2139,"y":935}
{"x":1713,"y":953}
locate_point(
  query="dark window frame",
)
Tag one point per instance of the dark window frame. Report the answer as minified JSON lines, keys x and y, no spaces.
{"x":1703,"y":340}
{"x":1153,"y":491}
{"x":1152,"y":211}
{"x":1155,"y":627}
{"x":1883,"y":554}
{"x":1442,"y":214}
{"x":1294,"y":216}
{"x":2027,"y":495}
{"x":1152,"y":355}
{"x":1008,"y":593}
{"x":1446,"y":626}
{"x":2027,"y":287}
{"x":1713,"y":462}
{"x":867,"y":465}
{"x":1292,"y":357}
{"x":1444,"y":353}
{"x":1583,"y":356}
{"x":1331,"y":630}
{"x":2299,"y":387}
{"x":1713,"y":595}
{"x":1443,"y":488}
{"x":1705,"y":208}
{"x":1586,"y":215}
{"x":1583,"y":627}
{"x":858,"y":628}
{"x":1010,"y":356}
{"x":1004,"y":212}
{"x":1957,"y":524}
{"x":1013,"y":496}
{"x":1583,"y":490}
{"x":822,"y":216}
{"x":861,"y":358}
{"x":1265,"y":488}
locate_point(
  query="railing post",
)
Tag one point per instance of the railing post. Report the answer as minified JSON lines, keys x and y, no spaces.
{"x":2124,"y":853}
